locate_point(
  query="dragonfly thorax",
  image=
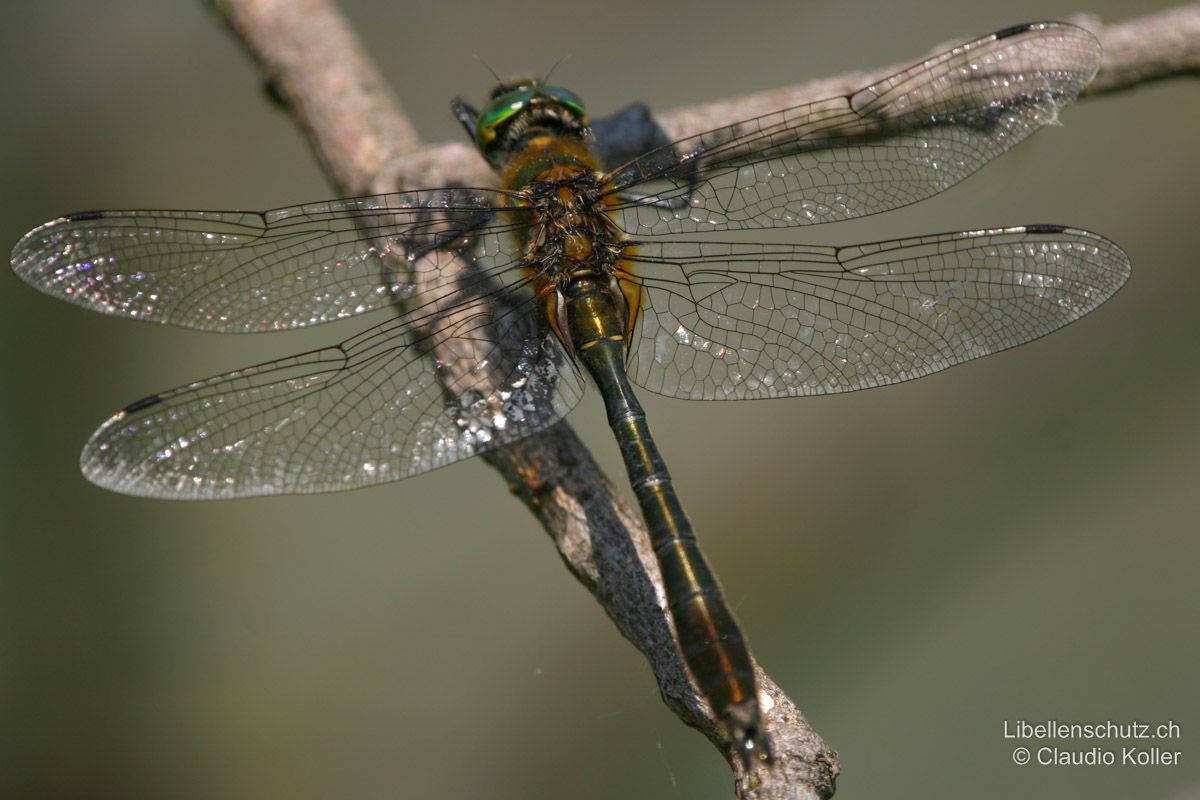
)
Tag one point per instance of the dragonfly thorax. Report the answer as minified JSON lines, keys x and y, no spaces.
{"x":574,"y":247}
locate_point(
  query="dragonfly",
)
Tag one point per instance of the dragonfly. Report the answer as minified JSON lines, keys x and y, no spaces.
{"x":492,"y":306}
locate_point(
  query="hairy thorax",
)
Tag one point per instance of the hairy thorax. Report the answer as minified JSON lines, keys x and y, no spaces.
{"x":573,"y":247}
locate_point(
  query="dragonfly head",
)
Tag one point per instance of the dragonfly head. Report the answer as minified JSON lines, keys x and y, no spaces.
{"x":515,"y":109}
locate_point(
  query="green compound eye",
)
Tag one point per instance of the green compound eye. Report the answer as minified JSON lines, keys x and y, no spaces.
{"x":499,"y":111}
{"x":568,"y":99}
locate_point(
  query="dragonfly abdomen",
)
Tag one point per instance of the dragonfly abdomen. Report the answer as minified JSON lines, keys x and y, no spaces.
{"x":710,"y":641}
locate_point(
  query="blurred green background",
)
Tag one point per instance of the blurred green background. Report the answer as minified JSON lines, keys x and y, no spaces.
{"x":1012,"y":539}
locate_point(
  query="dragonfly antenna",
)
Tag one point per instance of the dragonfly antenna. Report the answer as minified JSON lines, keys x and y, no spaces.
{"x":488,"y":67}
{"x":549,"y":72}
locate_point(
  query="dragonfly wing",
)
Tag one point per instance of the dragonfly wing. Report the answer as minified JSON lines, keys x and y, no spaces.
{"x":242,"y":272}
{"x":897,"y":141}
{"x":403,"y":397}
{"x":729,"y":321}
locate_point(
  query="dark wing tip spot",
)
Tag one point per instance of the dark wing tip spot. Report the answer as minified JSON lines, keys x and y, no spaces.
{"x":1045,"y":228}
{"x":84,"y":216}
{"x":1012,"y":31}
{"x":138,"y":405}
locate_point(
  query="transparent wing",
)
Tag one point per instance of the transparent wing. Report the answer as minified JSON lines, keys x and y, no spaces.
{"x":889,"y":144}
{"x":238,"y":272}
{"x":404,"y":397}
{"x":727,"y":321}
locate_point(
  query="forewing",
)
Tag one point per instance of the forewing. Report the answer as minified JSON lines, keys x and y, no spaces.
{"x":241,"y":272}
{"x":404,"y":397}
{"x":729,"y":321}
{"x":892,"y":143}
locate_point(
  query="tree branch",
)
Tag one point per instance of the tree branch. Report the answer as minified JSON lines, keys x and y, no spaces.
{"x":316,"y":66}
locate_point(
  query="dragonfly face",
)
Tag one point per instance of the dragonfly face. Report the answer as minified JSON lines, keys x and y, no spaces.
{"x":496,"y":300}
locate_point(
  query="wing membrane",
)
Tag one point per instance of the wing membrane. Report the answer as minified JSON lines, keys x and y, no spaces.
{"x":467,"y":362}
{"x":236,"y":272}
{"x":729,"y":321}
{"x":401,"y":398}
{"x":897,"y":141}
